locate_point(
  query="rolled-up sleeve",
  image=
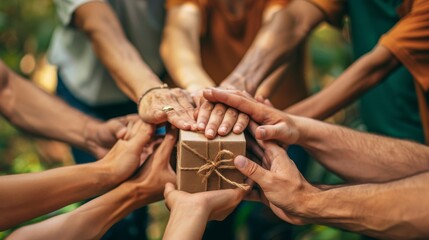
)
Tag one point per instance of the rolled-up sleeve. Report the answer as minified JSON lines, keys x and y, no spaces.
{"x":334,"y":10}
{"x":66,"y":8}
{"x":408,"y":40}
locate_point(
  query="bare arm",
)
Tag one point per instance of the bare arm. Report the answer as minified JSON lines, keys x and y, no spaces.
{"x":358,"y":157}
{"x":275,"y":44}
{"x":180,"y":48}
{"x":93,"y":219}
{"x":52,"y":189}
{"x":389,"y":210}
{"x":98,"y":21}
{"x":364,"y":74}
{"x":361,"y":157}
{"x":40,"y":113}
{"x":392,"y":210}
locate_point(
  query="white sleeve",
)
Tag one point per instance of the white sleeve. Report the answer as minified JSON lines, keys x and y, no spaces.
{"x":66,"y":8}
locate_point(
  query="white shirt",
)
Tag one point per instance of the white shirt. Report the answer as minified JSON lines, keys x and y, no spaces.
{"x":79,"y":67}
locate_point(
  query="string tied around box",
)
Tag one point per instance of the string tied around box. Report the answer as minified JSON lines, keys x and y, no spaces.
{"x":220,"y":162}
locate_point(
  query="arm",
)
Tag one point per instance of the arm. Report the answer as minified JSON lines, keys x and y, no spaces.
{"x":275,"y":44}
{"x":339,"y":149}
{"x":180,"y":48}
{"x":361,"y":157}
{"x":365,"y":73}
{"x":40,"y":113}
{"x":98,"y":21}
{"x":197,"y":209}
{"x":93,"y":219}
{"x":390,"y":210}
{"x":52,"y":189}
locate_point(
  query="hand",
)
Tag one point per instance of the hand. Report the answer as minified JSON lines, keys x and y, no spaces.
{"x":215,"y":205}
{"x":182,"y":114}
{"x":129,"y":152}
{"x":218,"y":118}
{"x":150,"y":180}
{"x":275,"y":123}
{"x":101,"y":136}
{"x":283,"y":187}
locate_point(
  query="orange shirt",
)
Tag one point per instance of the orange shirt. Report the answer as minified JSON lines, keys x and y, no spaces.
{"x":407,"y":40}
{"x":225,"y":38}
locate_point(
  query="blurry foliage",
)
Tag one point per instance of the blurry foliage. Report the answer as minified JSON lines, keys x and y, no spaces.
{"x":25,"y":30}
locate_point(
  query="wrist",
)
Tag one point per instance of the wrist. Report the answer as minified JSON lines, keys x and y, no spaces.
{"x":89,"y":133}
{"x":103,"y":173}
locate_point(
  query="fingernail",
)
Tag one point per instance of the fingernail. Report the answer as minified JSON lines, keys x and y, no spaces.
{"x":262,"y":132}
{"x":201,"y":126}
{"x":210,"y":133}
{"x":223,"y":130}
{"x":237,"y":129}
{"x":240,"y":162}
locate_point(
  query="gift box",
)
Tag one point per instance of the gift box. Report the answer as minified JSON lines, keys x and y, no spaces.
{"x":204,"y":165}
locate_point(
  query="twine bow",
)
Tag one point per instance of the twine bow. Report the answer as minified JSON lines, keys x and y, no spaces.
{"x":218,"y":163}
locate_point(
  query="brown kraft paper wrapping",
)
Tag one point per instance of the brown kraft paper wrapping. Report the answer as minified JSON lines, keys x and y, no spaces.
{"x":198,"y":157}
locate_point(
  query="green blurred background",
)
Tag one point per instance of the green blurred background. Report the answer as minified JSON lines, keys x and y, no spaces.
{"x":25,"y":30}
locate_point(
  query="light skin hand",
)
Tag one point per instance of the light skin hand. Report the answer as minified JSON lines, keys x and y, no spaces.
{"x":283,"y":187}
{"x":275,"y":124}
{"x":93,"y":219}
{"x":197,"y":209}
{"x":101,"y":136}
{"x":182,"y":116}
{"x":126,"y":155}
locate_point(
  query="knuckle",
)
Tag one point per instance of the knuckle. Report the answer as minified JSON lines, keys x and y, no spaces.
{"x":251,"y":170}
{"x":218,"y":112}
{"x":207,"y":106}
{"x":232,"y":113}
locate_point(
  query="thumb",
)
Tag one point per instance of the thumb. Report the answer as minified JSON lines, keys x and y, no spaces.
{"x":279,"y":131}
{"x":251,"y":170}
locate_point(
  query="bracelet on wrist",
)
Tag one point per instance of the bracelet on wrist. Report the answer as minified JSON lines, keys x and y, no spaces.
{"x":162,"y":86}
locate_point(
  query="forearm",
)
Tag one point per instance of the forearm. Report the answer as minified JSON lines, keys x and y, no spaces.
{"x":275,"y":44}
{"x":186,"y":224}
{"x":180,"y":48}
{"x":377,"y":158}
{"x":90,"y":221}
{"x":364,"y":74}
{"x":26,"y":196}
{"x":117,"y":54}
{"x":35,"y":111}
{"x":393,"y":210}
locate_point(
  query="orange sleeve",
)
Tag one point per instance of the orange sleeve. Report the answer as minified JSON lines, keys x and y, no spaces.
{"x":408,"y":40}
{"x":171,"y":3}
{"x":334,"y":10}
{"x":278,"y":2}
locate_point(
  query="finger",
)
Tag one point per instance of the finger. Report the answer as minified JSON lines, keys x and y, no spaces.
{"x":215,"y":120}
{"x":239,"y":101}
{"x":204,"y":114}
{"x":163,"y":153}
{"x":252,"y":170}
{"x":180,"y":119}
{"x":241,"y":124}
{"x":154,"y":116}
{"x":186,"y":102}
{"x":277,"y":156}
{"x":229,"y":120}
{"x":143,"y":135}
{"x":121,"y":133}
{"x":281,"y":132}
{"x":268,"y":103}
{"x":169,"y":187}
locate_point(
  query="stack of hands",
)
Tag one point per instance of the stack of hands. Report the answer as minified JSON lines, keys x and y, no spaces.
{"x":217,"y":111}
{"x":138,"y":171}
